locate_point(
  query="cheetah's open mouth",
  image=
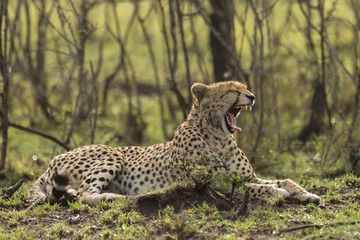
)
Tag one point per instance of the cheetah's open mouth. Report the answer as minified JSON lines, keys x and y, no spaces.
{"x":231,"y":114}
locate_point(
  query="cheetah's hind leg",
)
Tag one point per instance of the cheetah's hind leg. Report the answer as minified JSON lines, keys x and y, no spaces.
{"x":93,"y":188}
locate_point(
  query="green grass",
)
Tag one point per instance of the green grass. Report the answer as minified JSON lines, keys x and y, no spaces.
{"x":112,"y":220}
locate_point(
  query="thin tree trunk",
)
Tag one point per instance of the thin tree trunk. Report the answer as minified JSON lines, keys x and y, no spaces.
{"x":157,"y":78}
{"x":36,"y":66}
{"x":316,"y":124}
{"x":259,"y":23}
{"x":356,"y":109}
{"x":186,"y":55}
{"x":6,"y":75}
{"x":83,"y":31}
{"x":172,"y":56}
{"x":355,"y":6}
{"x":319,"y":106}
{"x":222,"y":22}
{"x":273,"y":85}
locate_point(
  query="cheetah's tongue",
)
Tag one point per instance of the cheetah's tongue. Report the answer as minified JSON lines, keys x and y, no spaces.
{"x":232,"y":121}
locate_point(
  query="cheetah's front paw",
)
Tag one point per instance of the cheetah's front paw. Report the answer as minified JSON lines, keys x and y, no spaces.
{"x":309,"y":198}
{"x":72,"y":195}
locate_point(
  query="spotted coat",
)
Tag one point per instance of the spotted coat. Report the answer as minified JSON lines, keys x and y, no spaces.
{"x":97,"y":172}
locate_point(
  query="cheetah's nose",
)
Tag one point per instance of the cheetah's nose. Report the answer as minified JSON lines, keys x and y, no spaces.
{"x":251,"y":97}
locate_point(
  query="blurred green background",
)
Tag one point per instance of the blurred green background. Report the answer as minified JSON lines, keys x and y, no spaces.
{"x":118,"y":73}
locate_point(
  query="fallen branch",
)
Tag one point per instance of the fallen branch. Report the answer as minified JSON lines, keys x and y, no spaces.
{"x":8,"y":193}
{"x":291,"y":229}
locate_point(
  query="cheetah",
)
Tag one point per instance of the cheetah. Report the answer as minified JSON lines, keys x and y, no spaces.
{"x":96,"y":173}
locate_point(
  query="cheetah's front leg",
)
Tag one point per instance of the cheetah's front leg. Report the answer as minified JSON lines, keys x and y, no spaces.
{"x":283,"y":188}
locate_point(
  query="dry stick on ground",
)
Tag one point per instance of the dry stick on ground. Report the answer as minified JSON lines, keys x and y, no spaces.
{"x":9,"y":192}
{"x":291,"y":229}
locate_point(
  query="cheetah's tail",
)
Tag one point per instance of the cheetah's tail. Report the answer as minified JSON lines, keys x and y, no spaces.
{"x":61,"y":181}
{"x":37,"y":191}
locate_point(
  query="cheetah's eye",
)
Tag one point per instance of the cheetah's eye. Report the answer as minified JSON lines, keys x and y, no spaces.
{"x":234,"y":91}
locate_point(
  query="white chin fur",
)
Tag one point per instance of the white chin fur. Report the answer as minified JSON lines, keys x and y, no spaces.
{"x":224,"y":127}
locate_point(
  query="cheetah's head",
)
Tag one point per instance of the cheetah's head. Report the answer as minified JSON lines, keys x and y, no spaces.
{"x":220,"y":104}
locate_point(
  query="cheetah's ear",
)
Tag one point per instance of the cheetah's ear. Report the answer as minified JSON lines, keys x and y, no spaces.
{"x":199,"y":90}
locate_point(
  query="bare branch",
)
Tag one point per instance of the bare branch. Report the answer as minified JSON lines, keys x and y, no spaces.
{"x":93,"y":120}
{"x":186,"y":56}
{"x":259,"y":23}
{"x":157,"y":78}
{"x":273,"y":85}
{"x":172,"y":55}
{"x":42,"y":134}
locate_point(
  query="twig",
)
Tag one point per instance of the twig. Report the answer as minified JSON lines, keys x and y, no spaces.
{"x":198,"y":53}
{"x":244,"y":205}
{"x":156,"y":74}
{"x":35,"y":203}
{"x":321,"y":7}
{"x":199,"y":7}
{"x":172,"y":60}
{"x":259,"y":23}
{"x":291,"y":229}
{"x":186,"y":55}
{"x":43,"y":219}
{"x":273,"y":84}
{"x":96,"y":95}
{"x":9,"y":192}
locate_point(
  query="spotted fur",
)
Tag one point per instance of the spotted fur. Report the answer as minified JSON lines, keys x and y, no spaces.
{"x":97,"y":172}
